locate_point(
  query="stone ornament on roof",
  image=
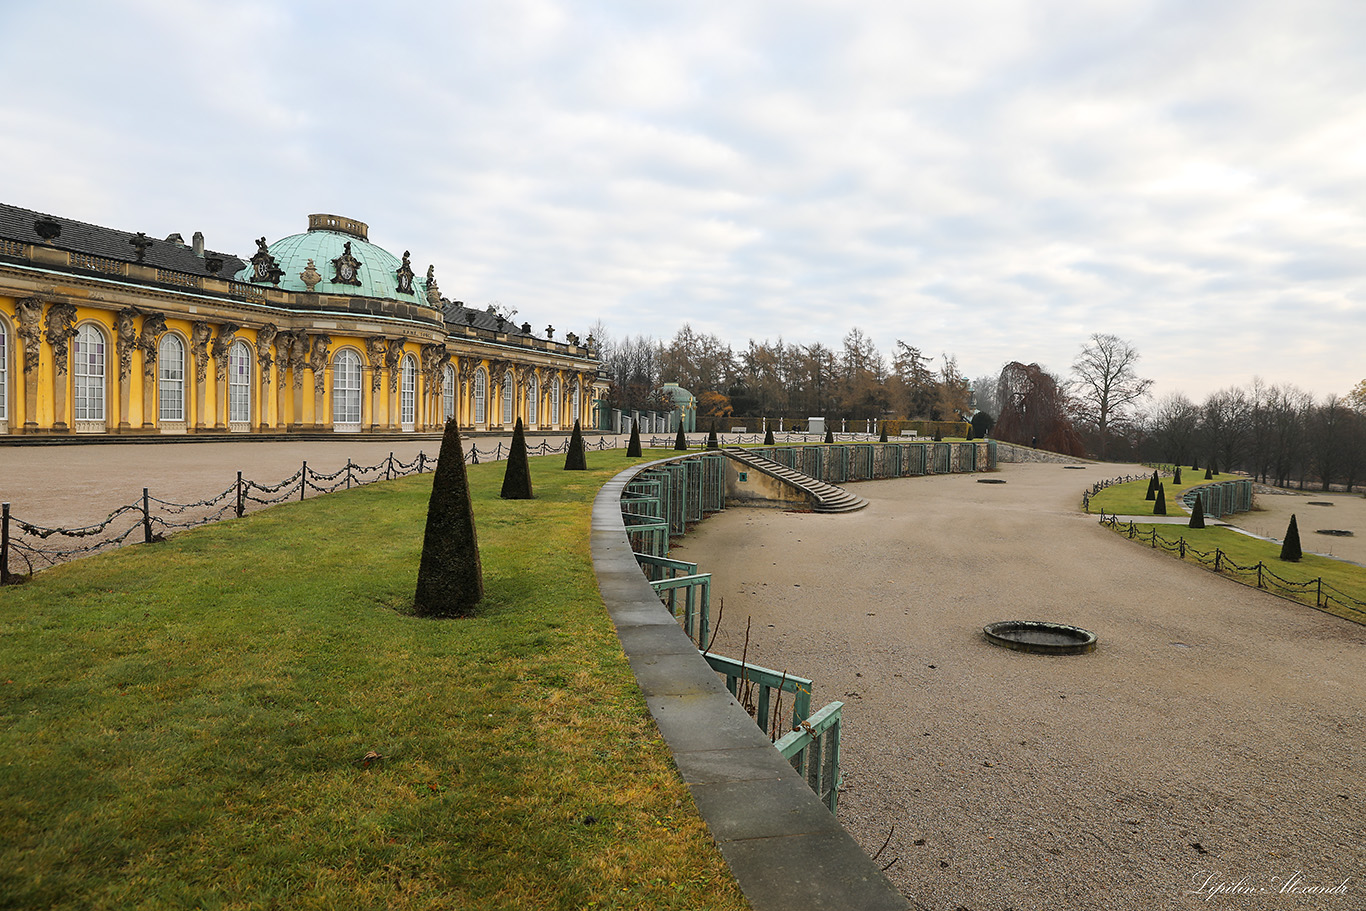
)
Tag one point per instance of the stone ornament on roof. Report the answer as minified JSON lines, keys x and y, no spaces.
{"x":264,"y":268}
{"x":310,"y":276}
{"x":140,"y":241}
{"x":433,"y":292}
{"x":404,"y":273}
{"x":347,"y":267}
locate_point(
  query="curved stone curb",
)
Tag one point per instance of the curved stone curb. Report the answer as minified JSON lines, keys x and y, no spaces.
{"x":785,"y":849}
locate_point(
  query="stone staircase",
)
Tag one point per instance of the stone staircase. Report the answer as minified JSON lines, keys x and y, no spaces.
{"x":824,"y":497}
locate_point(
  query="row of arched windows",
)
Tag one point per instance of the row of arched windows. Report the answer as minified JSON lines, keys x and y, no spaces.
{"x":90,"y":364}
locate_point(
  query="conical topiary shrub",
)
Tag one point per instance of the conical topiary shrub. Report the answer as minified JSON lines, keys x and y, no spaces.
{"x":1209,"y":474}
{"x":450,"y":578}
{"x":712,"y":441}
{"x":576,"y":459}
{"x":1176,"y":478}
{"x":768,"y":437}
{"x":1213,"y":466}
{"x":1290,"y":549}
{"x":1198,"y":513}
{"x":633,"y":447}
{"x":1160,"y":507}
{"x":681,"y":441}
{"x":882,"y":437}
{"x":938,"y":435}
{"x":1195,"y":464}
{"x":829,"y":435}
{"x":1153,"y":484}
{"x":517,"y":478}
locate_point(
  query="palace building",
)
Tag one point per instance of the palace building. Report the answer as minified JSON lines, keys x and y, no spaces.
{"x":110,"y":332}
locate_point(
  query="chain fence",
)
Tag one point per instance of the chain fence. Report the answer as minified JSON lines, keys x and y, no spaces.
{"x":28,"y":547}
{"x":1125,"y":479}
{"x":1325,"y":595}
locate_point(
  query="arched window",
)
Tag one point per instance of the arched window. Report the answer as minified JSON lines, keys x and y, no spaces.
{"x":4,"y":373}
{"x":239,"y":383}
{"x":481,"y":389}
{"x":555,"y":415}
{"x":447,"y":392}
{"x":171,"y":378}
{"x":88,"y":375}
{"x":507,"y":398}
{"x":346,"y":379}
{"x":532,"y":388}
{"x":408,"y":393}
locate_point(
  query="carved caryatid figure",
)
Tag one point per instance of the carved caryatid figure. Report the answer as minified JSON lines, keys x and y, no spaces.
{"x":284,"y":344}
{"x":125,"y":330}
{"x":318,"y":361}
{"x":392,"y":356}
{"x":221,"y":344}
{"x":375,"y":348}
{"x":153,"y":328}
{"x":298,"y":357}
{"x":61,"y":328}
{"x":200,"y":332}
{"x":265,"y":336}
{"x":30,"y":329}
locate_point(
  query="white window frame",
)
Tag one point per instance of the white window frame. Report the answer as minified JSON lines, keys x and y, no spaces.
{"x":89,"y":377}
{"x":533,"y":409}
{"x":481,"y":389}
{"x":171,"y":379}
{"x":507,"y":398}
{"x":447,"y":393}
{"x":576,"y":401}
{"x":4,"y":376}
{"x":408,"y":392}
{"x":556,"y":416}
{"x":239,"y":386}
{"x":346,"y":391}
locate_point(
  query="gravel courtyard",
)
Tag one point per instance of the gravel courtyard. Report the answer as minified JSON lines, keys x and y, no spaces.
{"x":1213,"y":740}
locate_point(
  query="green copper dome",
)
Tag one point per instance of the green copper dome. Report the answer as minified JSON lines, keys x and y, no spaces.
{"x":373,"y":271}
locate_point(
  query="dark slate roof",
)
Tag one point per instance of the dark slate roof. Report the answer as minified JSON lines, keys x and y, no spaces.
{"x":79,"y":237}
{"x":454,"y":312}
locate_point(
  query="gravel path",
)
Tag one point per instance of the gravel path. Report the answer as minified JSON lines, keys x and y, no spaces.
{"x":1215,"y":736}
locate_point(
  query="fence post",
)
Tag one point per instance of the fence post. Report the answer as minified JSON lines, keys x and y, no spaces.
{"x":4,"y":544}
{"x":389,"y":468}
{"x":1318,"y":594}
{"x":240,"y":504}
{"x":1259,"y":574}
{"x":348,"y":474}
{"x":1183,"y":548}
{"x":146,"y":519}
{"x":1218,"y":558}
{"x":303,"y":480}
{"x":421,"y":460}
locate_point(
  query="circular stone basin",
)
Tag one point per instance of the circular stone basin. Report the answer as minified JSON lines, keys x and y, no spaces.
{"x":1040,"y":637}
{"x":990,"y":481}
{"x":1340,"y":532}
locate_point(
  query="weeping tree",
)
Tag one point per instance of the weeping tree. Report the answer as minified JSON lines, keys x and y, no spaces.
{"x":517,"y":477}
{"x":1034,"y":407}
{"x":633,"y":447}
{"x":450,"y":579}
{"x":577,"y":458}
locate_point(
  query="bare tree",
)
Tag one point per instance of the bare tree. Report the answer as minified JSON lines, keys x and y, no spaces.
{"x":1105,"y":386}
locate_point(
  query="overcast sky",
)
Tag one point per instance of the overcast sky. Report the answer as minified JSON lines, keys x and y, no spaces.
{"x":991,"y":179}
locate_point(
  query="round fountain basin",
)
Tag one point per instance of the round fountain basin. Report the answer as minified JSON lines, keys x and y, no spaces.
{"x":1040,"y":637}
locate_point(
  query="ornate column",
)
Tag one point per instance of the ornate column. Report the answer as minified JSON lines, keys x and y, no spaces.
{"x":126,"y":338}
{"x":434,"y":358}
{"x":464,"y":391}
{"x":221,"y":343}
{"x":393,"y":357}
{"x":298,"y":359}
{"x":265,"y":337}
{"x":374,"y":352}
{"x":199,"y":346}
{"x":284,"y":343}
{"x":153,"y":325}
{"x":30,"y":313}
{"x":317,"y":362}
{"x":61,"y":328}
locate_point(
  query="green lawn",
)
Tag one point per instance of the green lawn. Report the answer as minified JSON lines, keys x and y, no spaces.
{"x":1129,"y":499}
{"x":187,"y":724}
{"x":1245,"y":552}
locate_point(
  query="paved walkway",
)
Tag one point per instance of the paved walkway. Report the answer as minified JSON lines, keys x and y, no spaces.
{"x":1215,"y":732}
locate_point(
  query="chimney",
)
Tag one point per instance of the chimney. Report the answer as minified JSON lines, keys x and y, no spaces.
{"x":198,"y":243}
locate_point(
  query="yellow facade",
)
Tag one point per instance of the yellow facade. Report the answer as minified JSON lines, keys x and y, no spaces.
{"x":120,"y":347}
